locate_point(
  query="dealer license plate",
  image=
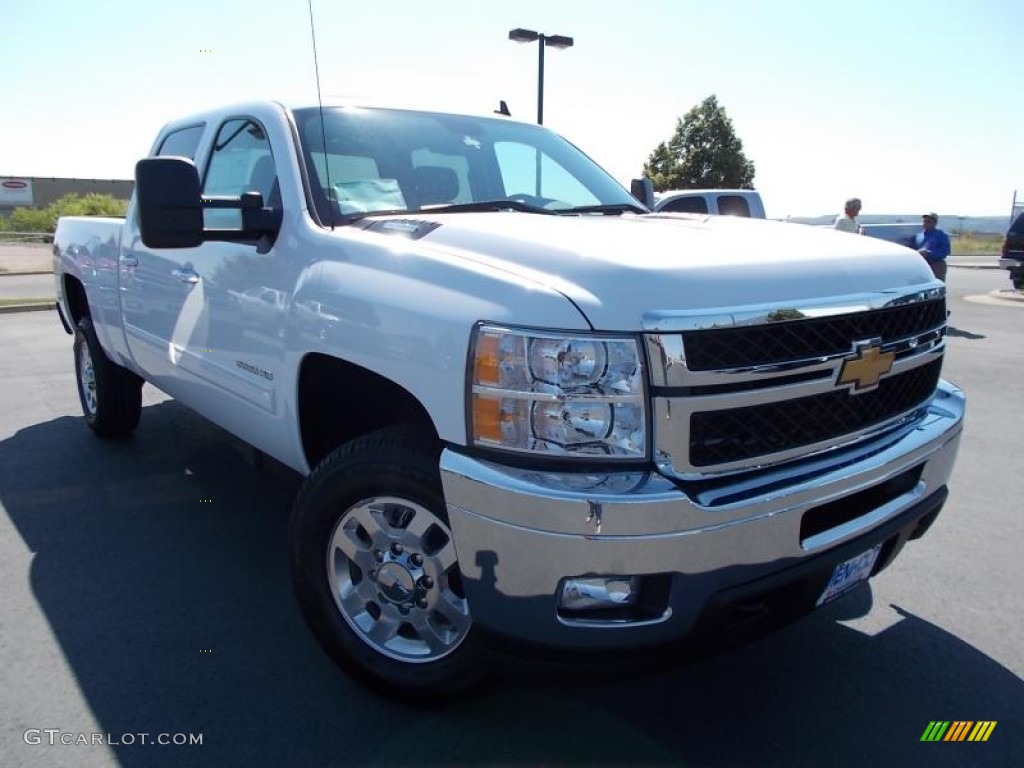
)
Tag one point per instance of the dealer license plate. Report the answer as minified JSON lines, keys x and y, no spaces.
{"x":849,"y":574}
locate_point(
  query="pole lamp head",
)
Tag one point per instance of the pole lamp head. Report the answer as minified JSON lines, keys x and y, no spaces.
{"x":557,"y":41}
{"x":523,"y":35}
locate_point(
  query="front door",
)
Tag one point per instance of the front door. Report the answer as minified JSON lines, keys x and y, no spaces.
{"x":209,"y":321}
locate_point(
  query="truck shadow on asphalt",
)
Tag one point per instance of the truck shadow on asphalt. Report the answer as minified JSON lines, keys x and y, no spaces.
{"x":160,"y":565}
{"x":962,"y":334}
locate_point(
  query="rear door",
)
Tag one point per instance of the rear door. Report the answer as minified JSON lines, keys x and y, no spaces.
{"x":155,"y":285}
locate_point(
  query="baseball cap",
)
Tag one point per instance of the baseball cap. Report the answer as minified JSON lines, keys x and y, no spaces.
{"x":933,"y":216}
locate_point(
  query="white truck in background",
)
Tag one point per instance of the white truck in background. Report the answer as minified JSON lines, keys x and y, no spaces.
{"x":528,"y":410}
{"x":899,"y":233}
{"x":718,"y":202}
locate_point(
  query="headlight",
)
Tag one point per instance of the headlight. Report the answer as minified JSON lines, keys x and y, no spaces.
{"x":558,"y":395}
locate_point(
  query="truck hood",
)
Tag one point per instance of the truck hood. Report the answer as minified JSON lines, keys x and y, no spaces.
{"x":621,"y":271}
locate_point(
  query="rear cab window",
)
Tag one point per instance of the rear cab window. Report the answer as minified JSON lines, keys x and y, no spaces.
{"x":182,"y":143}
{"x":687,"y":205}
{"x":733,"y":205}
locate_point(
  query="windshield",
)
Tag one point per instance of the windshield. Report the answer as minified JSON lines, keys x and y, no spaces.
{"x":380,"y":160}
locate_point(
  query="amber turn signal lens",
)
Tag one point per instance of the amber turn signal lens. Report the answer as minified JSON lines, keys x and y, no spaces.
{"x":487,"y":419}
{"x":486,"y":366}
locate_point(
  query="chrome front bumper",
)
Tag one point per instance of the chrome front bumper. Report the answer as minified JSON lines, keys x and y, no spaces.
{"x":519,"y":533}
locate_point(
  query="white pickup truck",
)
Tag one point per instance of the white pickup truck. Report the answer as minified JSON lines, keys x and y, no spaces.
{"x":529,"y":412}
{"x":719,"y":202}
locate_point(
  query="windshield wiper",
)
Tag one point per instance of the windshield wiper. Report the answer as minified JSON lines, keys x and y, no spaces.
{"x":609,"y":208}
{"x":486,"y":205}
{"x":493,"y":205}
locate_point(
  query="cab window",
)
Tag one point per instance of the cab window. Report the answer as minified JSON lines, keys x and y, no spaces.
{"x":733,"y":205}
{"x":182,"y":143}
{"x":241,"y":161}
{"x":687,"y":205}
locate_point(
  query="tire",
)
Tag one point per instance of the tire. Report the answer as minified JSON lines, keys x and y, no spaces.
{"x":111,"y":396}
{"x":375,"y":570}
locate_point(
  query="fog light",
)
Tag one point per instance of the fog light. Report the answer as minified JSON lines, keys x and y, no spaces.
{"x":599,"y":592}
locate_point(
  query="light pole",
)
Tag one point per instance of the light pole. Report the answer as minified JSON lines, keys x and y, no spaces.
{"x":543,"y":41}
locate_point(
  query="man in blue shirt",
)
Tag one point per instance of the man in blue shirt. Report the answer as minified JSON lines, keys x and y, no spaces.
{"x":933,"y":244}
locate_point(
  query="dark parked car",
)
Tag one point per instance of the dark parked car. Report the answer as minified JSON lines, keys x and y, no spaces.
{"x":1013,"y":252}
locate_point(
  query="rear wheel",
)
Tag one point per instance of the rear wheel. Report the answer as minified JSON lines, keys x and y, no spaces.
{"x":375,"y":568}
{"x":111,"y":395}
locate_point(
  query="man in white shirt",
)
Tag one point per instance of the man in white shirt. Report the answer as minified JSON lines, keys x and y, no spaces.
{"x":847,"y":220}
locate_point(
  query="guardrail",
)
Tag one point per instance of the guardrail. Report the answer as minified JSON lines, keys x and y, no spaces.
{"x":26,"y":237}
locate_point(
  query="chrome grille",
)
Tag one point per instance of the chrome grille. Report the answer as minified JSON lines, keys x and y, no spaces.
{"x":749,"y":387}
{"x":781,"y":342}
{"x":735,"y":434}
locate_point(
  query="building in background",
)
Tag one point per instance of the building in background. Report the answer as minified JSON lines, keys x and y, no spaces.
{"x":39,"y":192}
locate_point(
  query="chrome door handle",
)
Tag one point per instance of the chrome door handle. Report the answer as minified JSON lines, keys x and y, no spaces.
{"x":189,"y":276}
{"x":129,"y":261}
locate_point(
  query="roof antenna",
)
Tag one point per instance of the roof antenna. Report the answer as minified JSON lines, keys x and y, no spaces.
{"x":503,"y":109}
{"x":320,"y":102}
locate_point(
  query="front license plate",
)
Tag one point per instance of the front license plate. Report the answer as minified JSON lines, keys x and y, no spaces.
{"x":849,"y":574}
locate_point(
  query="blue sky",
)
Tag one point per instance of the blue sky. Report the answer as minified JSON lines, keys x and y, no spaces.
{"x":911,"y":105}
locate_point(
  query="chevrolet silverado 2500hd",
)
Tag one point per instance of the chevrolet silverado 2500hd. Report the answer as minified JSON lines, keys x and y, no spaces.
{"x":526,"y":408}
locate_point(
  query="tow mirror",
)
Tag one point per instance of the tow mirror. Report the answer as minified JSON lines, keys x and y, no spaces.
{"x":168,"y":197}
{"x":171,"y":206}
{"x":643,"y":190}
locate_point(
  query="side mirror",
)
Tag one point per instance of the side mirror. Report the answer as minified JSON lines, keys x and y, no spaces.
{"x":171,"y":207}
{"x":168,"y":196}
{"x":643,"y":190}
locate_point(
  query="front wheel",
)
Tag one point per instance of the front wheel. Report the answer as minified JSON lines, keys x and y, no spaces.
{"x":375,"y":568}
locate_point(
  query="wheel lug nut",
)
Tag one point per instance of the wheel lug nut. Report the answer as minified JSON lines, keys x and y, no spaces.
{"x":427,"y":582}
{"x":373,"y":574}
{"x":396,"y":549}
{"x":417,"y":559}
{"x":422,"y":603}
{"x":378,"y":555}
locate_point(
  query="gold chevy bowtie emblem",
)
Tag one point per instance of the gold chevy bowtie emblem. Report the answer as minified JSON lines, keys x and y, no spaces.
{"x":866,"y":368}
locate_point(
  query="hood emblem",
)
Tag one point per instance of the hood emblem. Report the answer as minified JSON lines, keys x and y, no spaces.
{"x":865,"y":368}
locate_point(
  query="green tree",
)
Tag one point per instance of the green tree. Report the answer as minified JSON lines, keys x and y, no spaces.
{"x":703,"y":153}
{"x":45,"y":219}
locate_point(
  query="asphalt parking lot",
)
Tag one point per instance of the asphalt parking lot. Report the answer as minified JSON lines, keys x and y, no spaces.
{"x":146,"y":592}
